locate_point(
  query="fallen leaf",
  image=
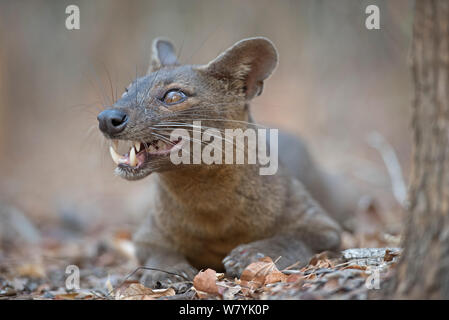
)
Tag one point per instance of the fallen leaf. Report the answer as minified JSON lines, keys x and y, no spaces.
{"x":275,"y":276}
{"x":42,"y":288}
{"x":354,"y":266}
{"x":205,"y":281}
{"x":32,"y":270}
{"x":83,"y":294}
{"x":137,"y":291}
{"x":109,"y":285}
{"x":123,"y":234}
{"x":262,"y":272}
{"x":295,"y":277}
{"x":389,"y":255}
{"x":321,"y":261}
{"x":220,"y":276}
{"x":66,"y":296}
{"x":227,"y":291}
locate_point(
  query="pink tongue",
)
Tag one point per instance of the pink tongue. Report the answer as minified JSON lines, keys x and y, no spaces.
{"x":126,"y":157}
{"x":140,"y":158}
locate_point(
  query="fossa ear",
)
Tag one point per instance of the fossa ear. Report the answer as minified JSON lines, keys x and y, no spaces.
{"x":250,"y":60}
{"x":163,"y":54}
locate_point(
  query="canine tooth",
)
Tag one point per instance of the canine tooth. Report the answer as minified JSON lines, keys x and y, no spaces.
{"x":132,"y":158}
{"x":137,"y":146}
{"x":115,"y":156}
{"x":115,"y":144}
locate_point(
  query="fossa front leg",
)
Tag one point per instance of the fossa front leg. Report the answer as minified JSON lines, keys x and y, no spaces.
{"x":165,"y":269}
{"x":153,"y":251}
{"x":285,"y":248}
{"x":290,"y":248}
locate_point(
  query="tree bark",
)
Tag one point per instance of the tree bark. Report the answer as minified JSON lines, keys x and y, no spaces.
{"x":423,"y":271}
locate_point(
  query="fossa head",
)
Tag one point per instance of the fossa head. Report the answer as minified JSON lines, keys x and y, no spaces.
{"x":173,"y":95}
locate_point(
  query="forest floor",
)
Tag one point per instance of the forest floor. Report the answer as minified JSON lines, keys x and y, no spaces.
{"x":46,"y":269}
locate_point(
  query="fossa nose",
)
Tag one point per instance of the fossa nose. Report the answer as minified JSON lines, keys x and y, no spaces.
{"x":112,"y":121}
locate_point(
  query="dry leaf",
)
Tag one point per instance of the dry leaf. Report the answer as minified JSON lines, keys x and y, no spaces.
{"x":123,"y":234}
{"x":66,"y":296}
{"x":109,"y":285}
{"x":389,"y":255}
{"x":262,"y":272}
{"x":354,"y":266}
{"x":32,"y":270}
{"x":227,"y":291}
{"x":295,"y":277}
{"x":220,"y":276}
{"x":137,"y":291}
{"x":321,"y":261}
{"x":275,"y":276}
{"x":42,"y":288}
{"x":205,"y":281}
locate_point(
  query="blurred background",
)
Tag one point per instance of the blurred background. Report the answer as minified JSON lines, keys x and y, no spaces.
{"x":336,"y":84}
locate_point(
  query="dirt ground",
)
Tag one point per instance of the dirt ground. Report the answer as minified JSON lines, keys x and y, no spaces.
{"x":39,"y":264}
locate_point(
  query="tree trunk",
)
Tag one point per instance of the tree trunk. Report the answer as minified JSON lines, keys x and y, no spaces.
{"x":423,"y":271}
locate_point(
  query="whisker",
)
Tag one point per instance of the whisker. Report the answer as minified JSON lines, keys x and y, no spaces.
{"x":163,"y":138}
{"x":110,"y":82}
{"x":97,"y":90}
{"x":194,"y":139}
{"x":223,"y":120}
{"x":215,"y":136}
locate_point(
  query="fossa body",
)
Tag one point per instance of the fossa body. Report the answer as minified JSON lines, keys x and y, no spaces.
{"x":217,"y":216}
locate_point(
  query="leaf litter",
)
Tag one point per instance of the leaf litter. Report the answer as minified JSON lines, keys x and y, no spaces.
{"x":108,"y":270}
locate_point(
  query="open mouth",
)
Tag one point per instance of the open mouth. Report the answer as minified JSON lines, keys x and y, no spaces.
{"x":141,"y":153}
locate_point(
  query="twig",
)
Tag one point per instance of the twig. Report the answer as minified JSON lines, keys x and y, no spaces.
{"x":378,"y":142}
{"x":145,"y":268}
{"x":291,"y":271}
{"x":292,"y":266}
{"x":278,"y":258}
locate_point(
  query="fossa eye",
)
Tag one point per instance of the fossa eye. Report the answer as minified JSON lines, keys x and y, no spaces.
{"x":174,"y":97}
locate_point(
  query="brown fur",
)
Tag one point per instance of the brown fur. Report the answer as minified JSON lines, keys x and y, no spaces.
{"x":204,"y":213}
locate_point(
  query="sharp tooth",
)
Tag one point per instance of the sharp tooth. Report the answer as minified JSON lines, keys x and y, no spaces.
{"x":132,"y":158}
{"x":115,"y":156}
{"x":115,"y":144}
{"x":137,"y":146}
{"x":151,"y":148}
